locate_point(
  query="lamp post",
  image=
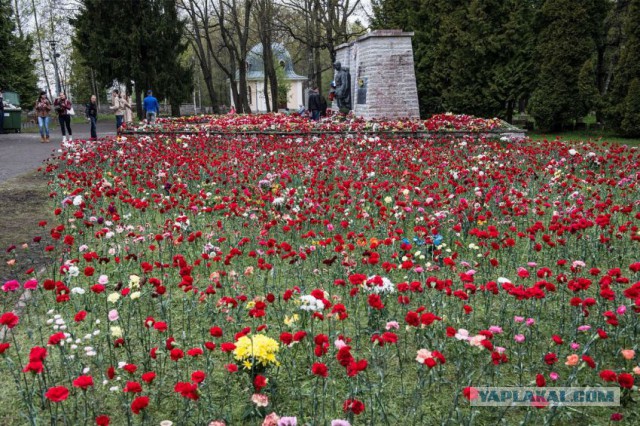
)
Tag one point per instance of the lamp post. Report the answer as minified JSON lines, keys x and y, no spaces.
{"x":52,"y":43}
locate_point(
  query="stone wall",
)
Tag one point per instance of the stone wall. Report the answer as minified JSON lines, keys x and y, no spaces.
{"x":383,"y":80}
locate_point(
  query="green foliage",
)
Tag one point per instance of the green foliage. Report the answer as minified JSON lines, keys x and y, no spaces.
{"x":284,"y":86}
{"x":140,"y":41}
{"x":17,"y":69}
{"x":563,"y":46}
{"x":630,"y":125}
{"x":625,"y":97}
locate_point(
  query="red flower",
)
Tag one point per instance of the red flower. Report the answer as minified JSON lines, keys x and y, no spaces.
{"x":215,"y":331}
{"x":140,"y":403}
{"x":550,"y":358}
{"x":56,"y":338}
{"x":540,"y":381}
{"x":176,"y":354}
{"x":130,"y":368}
{"x":198,"y":376}
{"x":353,"y":405}
{"x":102,"y":420}
{"x":375,"y":301}
{"x":148,"y":377}
{"x":188,"y":390}
{"x":231,"y":368}
{"x":83,"y":382}
{"x":227,"y":347}
{"x":194,"y":352}
{"x":470,"y":393}
{"x":625,"y":380}
{"x":608,"y":375}
{"x":4,"y":347}
{"x":319,"y":369}
{"x":9,"y":319}
{"x":57,"y":394}
{"x":259,"y":382}
{"x":132,"y":387}
{"x":81,"y":315}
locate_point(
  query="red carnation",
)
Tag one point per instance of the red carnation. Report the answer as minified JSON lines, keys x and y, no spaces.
{"x":9,"y":319}
{"x":608,"y":375}
{"x":148,"y":377}
{"x":319,"y":369}
{"x":83,"y":382}
{"x":57,"y":394}
{"x":353,"y":405}
{"x":140,"y":403}
{"x":625,"y":380}
{"x":102,"y":420}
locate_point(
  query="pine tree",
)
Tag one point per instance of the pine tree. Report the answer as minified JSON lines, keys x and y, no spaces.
{"x":624,"y":111}
{"x":17,"y":69}
{"x":564,"y":45}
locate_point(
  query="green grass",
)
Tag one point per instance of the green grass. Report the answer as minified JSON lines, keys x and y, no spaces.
{"x":585,"y":135}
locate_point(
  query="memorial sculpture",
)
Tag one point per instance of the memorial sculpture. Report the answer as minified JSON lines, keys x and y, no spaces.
{"x":343,"y":87}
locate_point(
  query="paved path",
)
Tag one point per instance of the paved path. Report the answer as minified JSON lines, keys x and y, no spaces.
{"x":22,"y":152}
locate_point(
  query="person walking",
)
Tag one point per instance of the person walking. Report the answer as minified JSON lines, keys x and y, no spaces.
{"x":314,"y":104}
{"x":63,"y":106}
{"x":128,"y":112}
{"x":151,"y":107}
{"x":43,"y":107}
{"x":118,"y":108}
{"x":91,"y":113}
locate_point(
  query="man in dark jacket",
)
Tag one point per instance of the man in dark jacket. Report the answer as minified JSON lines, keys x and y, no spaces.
{"x":92,"y":115}
{"x":314,"y":104}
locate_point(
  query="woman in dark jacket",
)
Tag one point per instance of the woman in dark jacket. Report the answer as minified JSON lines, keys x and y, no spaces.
{"x":92,"y":115}
{"x":62,"y":106}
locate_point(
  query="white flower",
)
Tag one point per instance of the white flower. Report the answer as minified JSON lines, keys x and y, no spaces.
{"x":113,"y":297}
{"x":73,"y":271}
{"x":386,"y":287}
{"x":310,"y":303}
{"x":77,"y":290}
{"x":503,"y":280}
{"x":278,"y":201}
{"x":104,"y":280}
{"x":135,"y":295}
{"x":77,"y":200}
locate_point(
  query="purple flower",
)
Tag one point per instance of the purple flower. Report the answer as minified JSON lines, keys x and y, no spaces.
{"x":288,"y":421}
{"x":340,"y":422}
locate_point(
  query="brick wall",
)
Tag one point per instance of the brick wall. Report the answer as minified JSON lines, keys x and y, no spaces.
{"x":381,"y":64}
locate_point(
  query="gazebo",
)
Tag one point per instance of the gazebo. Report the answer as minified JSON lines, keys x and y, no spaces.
{"x":255,"y":78}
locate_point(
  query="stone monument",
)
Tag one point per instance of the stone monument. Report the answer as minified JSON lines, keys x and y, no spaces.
{"x":383,"y":80}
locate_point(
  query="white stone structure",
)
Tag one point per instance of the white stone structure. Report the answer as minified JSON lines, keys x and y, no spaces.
{"x":255,"y":79}
{"x":383,"y":79}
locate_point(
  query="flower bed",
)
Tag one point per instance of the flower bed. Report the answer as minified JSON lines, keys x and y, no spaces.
{"x":266,"y":280}
{"x":283,"y":123}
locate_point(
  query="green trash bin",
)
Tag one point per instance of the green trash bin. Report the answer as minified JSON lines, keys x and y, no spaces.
{"x":12,"y":120}
{"x":12,"y":112}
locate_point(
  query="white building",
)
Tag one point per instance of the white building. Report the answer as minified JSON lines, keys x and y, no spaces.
{"x":255,"y":79}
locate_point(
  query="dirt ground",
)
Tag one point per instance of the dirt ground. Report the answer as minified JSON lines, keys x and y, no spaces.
{"x":24,"y":202}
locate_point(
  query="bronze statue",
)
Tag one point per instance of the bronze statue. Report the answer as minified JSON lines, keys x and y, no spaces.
{"x":343,"y":87}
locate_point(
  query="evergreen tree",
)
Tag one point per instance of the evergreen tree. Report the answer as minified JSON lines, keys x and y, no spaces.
{"x":624,"y":111}
{"x":136,"y":42}
{"x":17,"y":69}
{"x":564,"y":44}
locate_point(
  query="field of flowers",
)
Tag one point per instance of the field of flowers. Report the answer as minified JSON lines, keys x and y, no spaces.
{"x":328,"y":280}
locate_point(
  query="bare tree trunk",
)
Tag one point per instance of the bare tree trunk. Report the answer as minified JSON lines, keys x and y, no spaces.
{"x":39,"y":37}
{"x":17,"y":15}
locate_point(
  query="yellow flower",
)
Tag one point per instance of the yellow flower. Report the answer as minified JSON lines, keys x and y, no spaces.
{"x":257,"y":349}
{"x":291,"y":320}
{"x":134,"y":281}
{"x":251,"y":304}
{"x":113,"y":297}
{"x":135,"y":295}
{"x":116,"y":331}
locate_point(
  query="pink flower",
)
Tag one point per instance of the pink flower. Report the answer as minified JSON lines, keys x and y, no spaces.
{"x":260,"y":400}
{"x":530,"y":322}
{"x":584,"y":328}
{"x":462,"y":334}
{"x":11,"y":285}
{"x":519,"y":338}
{"x":339,"y":344}
{"x":574,"y":346}
{"x":423,"y":355}
{"x":621,"y":309}
{"x":31,"y":284}
{"x":271,"y":420}
{"x":495,"y":329}
{"x":554,"y":376}
{"x":113,"y":315}
{"x":518,"y":319}
{"x":390,"y":325}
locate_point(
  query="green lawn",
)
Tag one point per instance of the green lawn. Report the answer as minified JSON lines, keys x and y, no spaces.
{"x":585,"y":135}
